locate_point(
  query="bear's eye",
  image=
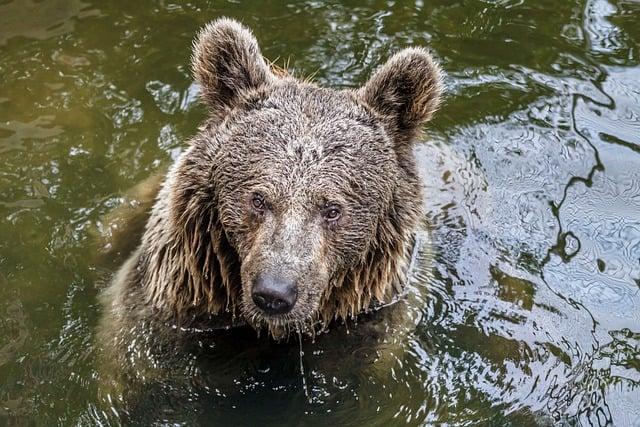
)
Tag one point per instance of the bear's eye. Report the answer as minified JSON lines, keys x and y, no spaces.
{"x":257,"y":202}
{"x":332,"y":213}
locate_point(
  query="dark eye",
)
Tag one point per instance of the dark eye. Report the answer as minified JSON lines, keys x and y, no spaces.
{"x":257,"y":202}
{"x":332,"y":213}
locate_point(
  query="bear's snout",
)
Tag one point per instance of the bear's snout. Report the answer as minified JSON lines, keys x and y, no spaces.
{"x":274,"y":295}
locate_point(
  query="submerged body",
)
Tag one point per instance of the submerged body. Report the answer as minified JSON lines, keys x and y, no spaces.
{"x":293,"y":207}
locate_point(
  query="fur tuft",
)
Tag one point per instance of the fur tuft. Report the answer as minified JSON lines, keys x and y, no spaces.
{"x":227,"y":63}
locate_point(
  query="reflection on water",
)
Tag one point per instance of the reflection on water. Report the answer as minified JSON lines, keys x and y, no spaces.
{"x":529,"y":311}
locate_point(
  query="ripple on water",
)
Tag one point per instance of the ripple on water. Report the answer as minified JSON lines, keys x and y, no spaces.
{"x":604,"y":217}
{"x":521,"y":166}
{"x":40,"y":20}
{"x":528,"y":309}
{"x":14,"y":333}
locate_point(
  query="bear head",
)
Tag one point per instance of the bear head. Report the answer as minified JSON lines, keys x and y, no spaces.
{"x":296,"y":204}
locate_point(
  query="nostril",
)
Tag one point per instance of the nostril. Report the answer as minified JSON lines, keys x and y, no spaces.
{"x":259,"y":300}
{"x":278,"y":303}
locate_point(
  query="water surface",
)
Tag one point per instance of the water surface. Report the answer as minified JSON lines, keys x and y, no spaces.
{"x":530,"y":311}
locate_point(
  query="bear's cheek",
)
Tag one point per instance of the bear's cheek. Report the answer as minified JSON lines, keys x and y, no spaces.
{"x":347,"y":244}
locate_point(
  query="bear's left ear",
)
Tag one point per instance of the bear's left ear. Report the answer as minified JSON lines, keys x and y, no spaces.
{"x":405,"y":92}
{"x":227,"y":62}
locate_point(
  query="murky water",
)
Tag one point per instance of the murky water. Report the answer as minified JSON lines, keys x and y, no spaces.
{"x":530,"y":312}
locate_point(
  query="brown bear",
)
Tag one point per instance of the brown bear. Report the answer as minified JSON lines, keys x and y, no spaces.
{"x":293,"y":206}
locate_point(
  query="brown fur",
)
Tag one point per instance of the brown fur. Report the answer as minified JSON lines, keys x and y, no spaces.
{"x":301,"y":146}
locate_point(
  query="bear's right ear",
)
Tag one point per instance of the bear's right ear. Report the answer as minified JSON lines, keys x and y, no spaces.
{"x":227,"y":62}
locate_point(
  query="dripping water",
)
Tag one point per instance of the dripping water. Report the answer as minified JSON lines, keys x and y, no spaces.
{"x":305,"y":388}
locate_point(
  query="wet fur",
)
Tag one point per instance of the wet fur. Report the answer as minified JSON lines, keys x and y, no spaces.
{"x":195,"y":252}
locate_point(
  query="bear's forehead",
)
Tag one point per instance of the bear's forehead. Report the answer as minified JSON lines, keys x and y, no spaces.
{"x":308,"y":121}
{"x":307,"y":140}
{"x":310,"y":100}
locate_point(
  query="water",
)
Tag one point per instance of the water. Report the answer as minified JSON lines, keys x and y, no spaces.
{"x":530,"y":310}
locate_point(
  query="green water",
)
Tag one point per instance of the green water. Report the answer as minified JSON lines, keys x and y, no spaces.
{"x":530,"y":312}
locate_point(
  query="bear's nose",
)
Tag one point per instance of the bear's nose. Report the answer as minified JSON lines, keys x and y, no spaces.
{"x":274,"y":295}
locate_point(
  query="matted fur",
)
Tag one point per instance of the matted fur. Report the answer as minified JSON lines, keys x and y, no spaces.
{"x":198,"y":242}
